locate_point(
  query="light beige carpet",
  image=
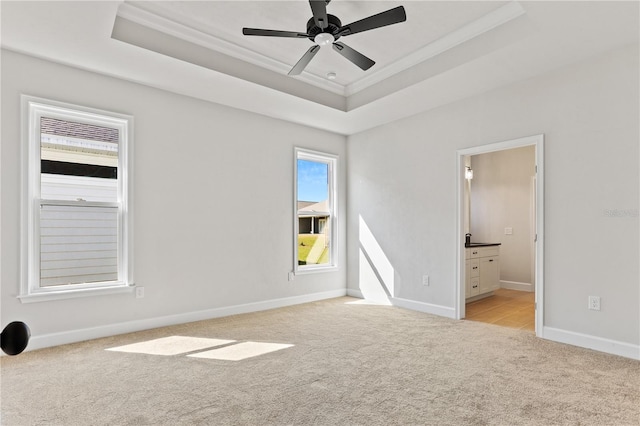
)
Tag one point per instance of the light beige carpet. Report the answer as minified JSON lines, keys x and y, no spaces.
{"x":350,"y":364}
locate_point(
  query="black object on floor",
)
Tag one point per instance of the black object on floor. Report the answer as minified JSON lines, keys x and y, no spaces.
{"x":15,"y":338}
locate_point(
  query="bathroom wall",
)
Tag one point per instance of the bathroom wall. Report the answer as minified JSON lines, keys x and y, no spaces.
{"x":502,"y":201}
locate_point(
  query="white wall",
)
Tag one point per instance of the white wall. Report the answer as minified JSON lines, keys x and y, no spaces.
{"x":402,"y":182}
{"x":200,"y":167}
{"x":201,"y":245}
{"x":501,"y":198}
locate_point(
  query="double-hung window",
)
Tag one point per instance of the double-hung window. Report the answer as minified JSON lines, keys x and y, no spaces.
{"x":315,"y":204}
{"x":77,"y":201}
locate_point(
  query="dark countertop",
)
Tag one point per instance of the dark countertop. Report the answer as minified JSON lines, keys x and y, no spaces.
{"x":482,"y":244}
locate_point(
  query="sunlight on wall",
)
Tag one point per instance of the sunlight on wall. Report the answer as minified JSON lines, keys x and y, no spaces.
{"x":376,"y":278}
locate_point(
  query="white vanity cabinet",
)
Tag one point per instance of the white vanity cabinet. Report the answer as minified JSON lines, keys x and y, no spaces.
{"x":482,"y":270}
{"x":472,"y":277}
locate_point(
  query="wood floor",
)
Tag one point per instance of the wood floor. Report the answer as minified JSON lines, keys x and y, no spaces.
{"x":508,"y":308}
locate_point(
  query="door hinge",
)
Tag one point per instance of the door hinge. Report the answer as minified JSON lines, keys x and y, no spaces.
{"x":536,"y":168}
{"x":535,"y":306}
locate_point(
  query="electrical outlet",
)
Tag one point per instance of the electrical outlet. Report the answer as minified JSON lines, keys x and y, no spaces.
{"x":139,"y":292}
{"x":291,"y":276}
{"x":508,"y":231}
{"x":594,"y":303}
{"x":425,"y":280}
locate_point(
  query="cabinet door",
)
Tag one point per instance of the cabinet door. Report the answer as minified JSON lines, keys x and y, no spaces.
{"x":474,"y":287}
{"x":489,"y":274}
{"x":474,"y":267}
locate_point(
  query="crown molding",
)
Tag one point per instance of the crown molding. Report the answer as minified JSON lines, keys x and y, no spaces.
{"x":493,"y":19}
{"x":156,"y":22}
{"x":152,"y":20}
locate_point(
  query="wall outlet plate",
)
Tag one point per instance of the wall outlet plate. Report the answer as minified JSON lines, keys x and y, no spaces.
{"x":139,"y":292}
{"x":594,"y":303}
{"x":425,"y":280}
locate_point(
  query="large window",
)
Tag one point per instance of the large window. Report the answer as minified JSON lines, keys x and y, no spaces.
{"x":315,"y":203}
{"x":77,"y":229}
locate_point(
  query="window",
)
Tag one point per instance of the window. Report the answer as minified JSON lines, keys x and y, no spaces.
{"x":315,"y":204}
{"x":77,"y":226}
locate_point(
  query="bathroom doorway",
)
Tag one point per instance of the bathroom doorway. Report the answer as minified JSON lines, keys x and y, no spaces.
{"x":508,"y":236}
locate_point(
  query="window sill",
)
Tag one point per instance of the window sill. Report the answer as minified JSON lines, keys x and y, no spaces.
{"x":316,"y":270}
{"x":72,"y":294}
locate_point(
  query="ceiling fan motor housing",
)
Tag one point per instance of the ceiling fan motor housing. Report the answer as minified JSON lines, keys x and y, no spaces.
{"x":333,"y":27}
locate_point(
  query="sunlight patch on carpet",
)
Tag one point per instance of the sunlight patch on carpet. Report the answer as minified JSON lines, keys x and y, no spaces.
{"x":241,"y":351}
{"x":172,"y":345}
{"x":369,"y":303}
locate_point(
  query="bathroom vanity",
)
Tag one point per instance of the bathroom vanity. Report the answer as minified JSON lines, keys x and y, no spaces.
{"x":482,"y":274}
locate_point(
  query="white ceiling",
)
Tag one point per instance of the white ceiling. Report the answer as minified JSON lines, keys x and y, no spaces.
{"x":225,"y":19}
{"x":445,"y":51}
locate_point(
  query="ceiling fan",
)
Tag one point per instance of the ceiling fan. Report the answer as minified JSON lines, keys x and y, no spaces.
{"x":324,"y":29}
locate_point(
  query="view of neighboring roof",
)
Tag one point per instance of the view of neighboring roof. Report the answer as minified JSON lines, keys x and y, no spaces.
{"x":312,"y":208}
{"x":85,"y":131}
{"x":82,"y":143}
{"x":303,"y":204}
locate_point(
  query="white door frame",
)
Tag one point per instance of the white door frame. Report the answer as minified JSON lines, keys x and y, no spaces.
{"x":538,"y":142}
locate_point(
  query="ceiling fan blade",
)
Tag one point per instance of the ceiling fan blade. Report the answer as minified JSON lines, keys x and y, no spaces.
{"x":272,"y":33}
{"x":319,"y":9}
{"x":353,"y":55}
{"x":304,"y":61}
{"x":382,"y":19}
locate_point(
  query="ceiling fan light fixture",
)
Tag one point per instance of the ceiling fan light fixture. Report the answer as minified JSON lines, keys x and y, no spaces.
{"x":324,"y":39}
{"x":324,"y":29}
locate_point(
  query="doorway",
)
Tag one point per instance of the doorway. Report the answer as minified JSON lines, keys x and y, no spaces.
{"x":510,"y":294}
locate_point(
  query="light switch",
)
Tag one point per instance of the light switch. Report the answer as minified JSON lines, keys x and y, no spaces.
{"x":508,"y":231}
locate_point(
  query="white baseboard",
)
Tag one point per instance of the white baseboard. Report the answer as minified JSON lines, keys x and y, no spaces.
{"x":515,"y":285}
{"x":355,"y":293}
{"x":73,"y":336}
{"x":443,"y":311}
{"x":557,"y":335}
{"x":601,"y":344}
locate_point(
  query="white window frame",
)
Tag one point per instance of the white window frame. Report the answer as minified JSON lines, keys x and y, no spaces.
{"x":32,"y":109}
{"x":332,"y":162}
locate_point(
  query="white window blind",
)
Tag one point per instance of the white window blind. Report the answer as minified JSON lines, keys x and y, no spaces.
{"x":78,"y":244}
